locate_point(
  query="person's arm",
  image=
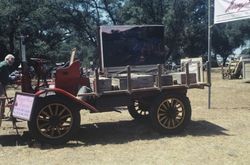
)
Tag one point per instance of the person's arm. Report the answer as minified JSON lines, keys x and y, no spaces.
{"x":13,"y":76}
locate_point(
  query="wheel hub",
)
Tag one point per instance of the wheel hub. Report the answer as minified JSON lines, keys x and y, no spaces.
{"x":172,"y":113}
{"x":54,"y":121}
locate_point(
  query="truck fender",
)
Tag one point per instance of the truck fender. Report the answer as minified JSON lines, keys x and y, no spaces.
{"x":67,"y":95}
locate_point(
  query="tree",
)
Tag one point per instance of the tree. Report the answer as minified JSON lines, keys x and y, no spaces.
{"x":12,"y":18}
{"x":142,"y":12}
{"x":53,"y":28}
{"x":226,"y":38}
{"x":47,"y":25}
{"x":186,"y":28}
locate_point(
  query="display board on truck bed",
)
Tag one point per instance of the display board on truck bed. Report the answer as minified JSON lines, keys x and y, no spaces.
{"x":131,"y":45}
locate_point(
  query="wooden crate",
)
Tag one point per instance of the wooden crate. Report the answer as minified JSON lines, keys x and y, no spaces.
{"x":137,"y":81}
{"x":166,"y":80}
{"x":246,"y":69}
{"x":195,"y":66}
{"x":180,"y":78}
{"x":104,"y":84}
{"x":120,"y":82}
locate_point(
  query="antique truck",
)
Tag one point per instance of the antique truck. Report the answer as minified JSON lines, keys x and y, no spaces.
{"x":131,"y":74}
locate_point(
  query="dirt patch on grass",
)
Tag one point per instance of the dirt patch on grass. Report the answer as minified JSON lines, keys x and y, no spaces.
{"x":220,"y":135}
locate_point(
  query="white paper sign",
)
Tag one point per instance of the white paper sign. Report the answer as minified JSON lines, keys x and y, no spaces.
{"x":231,"y":10}
{"x":22,"y":107}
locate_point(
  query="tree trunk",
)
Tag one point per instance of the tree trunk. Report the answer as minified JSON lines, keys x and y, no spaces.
{"x":108,"y":10}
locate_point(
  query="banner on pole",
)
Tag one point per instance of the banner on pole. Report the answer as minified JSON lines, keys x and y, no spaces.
{"x":231,"y":10}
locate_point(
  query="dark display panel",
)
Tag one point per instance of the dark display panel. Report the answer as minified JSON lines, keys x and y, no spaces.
{"x":132,"y":45}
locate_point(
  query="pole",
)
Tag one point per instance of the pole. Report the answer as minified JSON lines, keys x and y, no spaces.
{"x":25,"y":81}
{"x":23,"y":49}
{"x":209,"y":54}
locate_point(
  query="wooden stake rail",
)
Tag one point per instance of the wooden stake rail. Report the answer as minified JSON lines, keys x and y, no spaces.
{"x":159,"y":87}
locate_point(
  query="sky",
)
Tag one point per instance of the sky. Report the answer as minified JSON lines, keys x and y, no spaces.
{"x":238,"y":50}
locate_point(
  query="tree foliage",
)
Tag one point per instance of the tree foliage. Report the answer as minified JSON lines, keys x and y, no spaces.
{"x":53,"y":28}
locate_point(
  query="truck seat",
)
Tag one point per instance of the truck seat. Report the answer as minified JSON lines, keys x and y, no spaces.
{"x":68,"y":78}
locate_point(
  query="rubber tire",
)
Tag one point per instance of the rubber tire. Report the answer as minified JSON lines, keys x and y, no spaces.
{"x":134,"y":113}
{"x":154,"y":114}
{"x":32,"y":124}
